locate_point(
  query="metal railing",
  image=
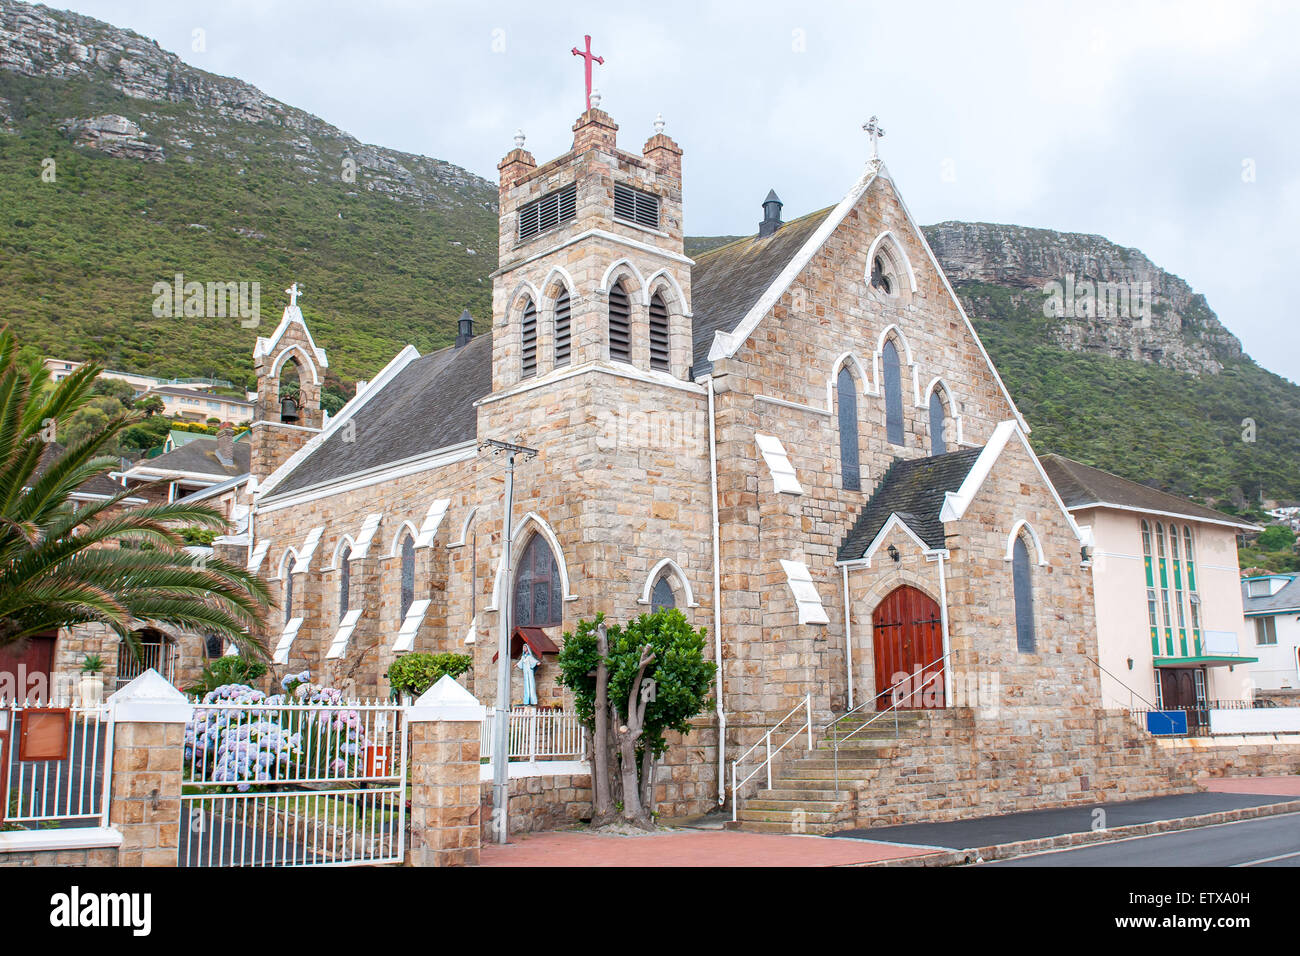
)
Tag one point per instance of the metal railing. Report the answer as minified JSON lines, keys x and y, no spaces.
{"x":766,"y":741}
{"x":67,"y":792}
{"x":536,"y":734}
{"x":1160,"y":721}
{"x":303,"y":784}
{"x":159,"y":657}
{"x":893,"y":708}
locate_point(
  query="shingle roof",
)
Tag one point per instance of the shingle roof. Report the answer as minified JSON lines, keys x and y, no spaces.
{"x":96,"y":485}
{"x":429,"y":404}
{"x":1287,"y":597}
{"x":727,"y":281}
{"x":1080,"y":485}
{"x":200,"y":457}
{"x":913,"y":489}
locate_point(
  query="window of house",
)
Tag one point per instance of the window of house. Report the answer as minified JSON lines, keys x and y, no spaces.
{"x":1023,"y":588}
{"x":408,"y":573}
{"x":847,"y":392}
{"x":1163,"y":568}
{"x":1174,"y":554}
{"x":937,"y":443}
{"x":662,"y":596}
{"x":563,"y":329}
{"x":633,"y":205}
{"x":620,"y":325}
{"x":553,"y":209}
{"x":1265,"y":631}
{"x":345,"y":579}
{"x":1193,"y":596}
{"x":658,"y":333}
{"x":893,"y":384}
{"x":1259,"y":588}
{"x":528,"y":341}
{"x":538,"y":598}
{"x":288,"y":589}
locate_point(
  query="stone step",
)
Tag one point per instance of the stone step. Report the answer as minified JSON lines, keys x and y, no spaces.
{"x":792,"y":817}
{"x":756,"y":826}
{"x":800,"y":793}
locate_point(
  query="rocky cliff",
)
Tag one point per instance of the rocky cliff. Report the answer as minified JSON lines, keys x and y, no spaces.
{"x":38,"y":42}
{"x":1068,"y":271}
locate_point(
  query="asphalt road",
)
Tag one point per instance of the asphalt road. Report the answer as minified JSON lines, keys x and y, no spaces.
{"x":1268,"y":842}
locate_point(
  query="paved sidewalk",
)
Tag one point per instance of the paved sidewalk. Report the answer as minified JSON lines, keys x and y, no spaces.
{"x":688,"y":848}
{"x":1282,"y":786}
{"x":1065,"y":821}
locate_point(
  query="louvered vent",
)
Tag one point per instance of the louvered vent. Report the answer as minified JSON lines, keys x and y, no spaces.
{"x":620,"y":326}
{"x":658,"y":334}
{"x":551,"y":210}
{"x":635,"y":206}
{"x":528,"y":352}
{"x":563,"y":340}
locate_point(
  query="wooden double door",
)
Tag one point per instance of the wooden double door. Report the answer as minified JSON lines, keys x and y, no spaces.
{"x":1183,"y":688}
{"x":907,"y":638}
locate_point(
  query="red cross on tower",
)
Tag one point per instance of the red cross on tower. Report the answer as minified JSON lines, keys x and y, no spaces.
{"x":587,"y":57}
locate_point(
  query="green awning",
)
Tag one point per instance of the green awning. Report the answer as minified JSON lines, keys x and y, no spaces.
{"x":1207,"y":660}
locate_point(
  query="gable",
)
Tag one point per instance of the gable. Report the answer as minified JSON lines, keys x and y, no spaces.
{"x":729,"y":308}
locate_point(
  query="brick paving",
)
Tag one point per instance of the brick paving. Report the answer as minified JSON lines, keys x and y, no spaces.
{"x":688,"y":848}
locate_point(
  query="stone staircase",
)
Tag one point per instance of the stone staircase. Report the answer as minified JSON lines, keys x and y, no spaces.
{"x":804,"y":797}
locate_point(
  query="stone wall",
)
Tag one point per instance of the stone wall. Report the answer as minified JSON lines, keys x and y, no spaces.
{"x":89,"y":856}
{"x":540,"y":803}
{"x":1245,"y":755}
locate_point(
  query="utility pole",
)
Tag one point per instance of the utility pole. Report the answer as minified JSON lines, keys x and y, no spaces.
{"x":501,"y":718}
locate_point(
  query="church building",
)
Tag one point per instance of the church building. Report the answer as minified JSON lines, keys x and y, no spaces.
{"x":797,"y":439}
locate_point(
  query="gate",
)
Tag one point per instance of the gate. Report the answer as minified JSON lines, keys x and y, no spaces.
{"x":303,"y":784}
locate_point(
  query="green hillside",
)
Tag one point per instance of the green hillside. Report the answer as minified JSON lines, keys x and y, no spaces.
{"x":1171,"y":429}
{"x":79,"y":256}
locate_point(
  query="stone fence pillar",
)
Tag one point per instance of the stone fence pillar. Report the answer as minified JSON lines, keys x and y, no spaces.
{"x":444,"y":772}
{"x":149,"y":717}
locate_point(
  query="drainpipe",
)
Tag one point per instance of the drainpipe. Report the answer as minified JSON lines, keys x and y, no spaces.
{"x":717,"y":604}
{"x":848,"y":636}
{"x":943,"y":625}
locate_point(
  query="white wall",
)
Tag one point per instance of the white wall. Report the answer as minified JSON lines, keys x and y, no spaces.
{"x":1277,"y":666}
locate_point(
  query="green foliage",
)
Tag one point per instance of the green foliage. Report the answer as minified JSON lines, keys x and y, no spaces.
{"x":198,"y":536}
{"x":681,"y":675}
{"x":79,"y":256}
{"x":1178,"y":432}
{"x":66,"y":565}
{"x":92,"y":664}
{"x":1275,"y":538}
{"x":415,"y":673}
{"x":229,"y":669}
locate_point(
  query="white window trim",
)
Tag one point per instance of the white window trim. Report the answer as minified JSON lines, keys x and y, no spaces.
{"x":673,"y":569}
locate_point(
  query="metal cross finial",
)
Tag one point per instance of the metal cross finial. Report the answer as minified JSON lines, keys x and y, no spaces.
{"x":293,"y":292}
{"x":873,"y":129}
{"x":659,"y":123}
{"x":519,"y":139}
{"x":588,"y":58}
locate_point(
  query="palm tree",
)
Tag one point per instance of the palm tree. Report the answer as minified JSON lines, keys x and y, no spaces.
{"x":63,"y":564}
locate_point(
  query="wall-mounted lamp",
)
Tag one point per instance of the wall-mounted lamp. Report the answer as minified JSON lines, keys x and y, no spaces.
{"x":1130,"y":663}
{"x":893,"y":553}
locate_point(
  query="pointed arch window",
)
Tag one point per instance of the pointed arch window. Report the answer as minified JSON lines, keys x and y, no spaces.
{"x":893,"y":385}
{"x":538,"y":596}
{"x":1153,"y":614}
{"x":658,"y":333}
{"x":1023,"y":589}
{"x":938,"y":444}
{"x":620,"y":325}
{"x":880,"y":278}
{"x":847,"y":391}
{"x":528,"y":341}
{"x":345,"y":579}
{"x":408,"y":573}
{"x":662,"y":596}
{"x":1162,"y":568}
{"x":563,"y":329}
{"x":288,"y":589}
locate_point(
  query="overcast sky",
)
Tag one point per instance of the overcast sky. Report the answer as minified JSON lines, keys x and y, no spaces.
{"x":1131,"y":121}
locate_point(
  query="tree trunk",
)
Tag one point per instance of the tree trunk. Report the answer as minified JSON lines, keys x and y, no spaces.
{"x":628,"y":735}
{"x":648,"y":782}
{"x":602,"y":809}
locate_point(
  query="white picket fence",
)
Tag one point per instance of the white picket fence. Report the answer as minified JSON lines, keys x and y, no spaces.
{"x":72,"y":791}
{"x":536,"y":734}
{"x":294,"y":785}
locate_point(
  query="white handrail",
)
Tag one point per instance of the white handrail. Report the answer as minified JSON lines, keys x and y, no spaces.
{"x":766,"y":741}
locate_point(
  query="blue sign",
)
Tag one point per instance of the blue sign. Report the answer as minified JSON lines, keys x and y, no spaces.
{"x":1167,"y":723}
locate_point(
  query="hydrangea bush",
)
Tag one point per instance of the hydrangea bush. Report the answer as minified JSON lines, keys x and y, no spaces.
{"x":262,"y":740}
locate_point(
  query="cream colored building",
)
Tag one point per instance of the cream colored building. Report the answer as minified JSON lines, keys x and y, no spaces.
{"x":1167,"y":589}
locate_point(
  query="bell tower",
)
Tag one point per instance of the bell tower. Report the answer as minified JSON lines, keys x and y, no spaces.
{"x":592,"y":265}
{"x":290,"y":371}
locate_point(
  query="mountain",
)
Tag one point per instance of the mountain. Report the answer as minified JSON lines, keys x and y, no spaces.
{"x":160,"y":168}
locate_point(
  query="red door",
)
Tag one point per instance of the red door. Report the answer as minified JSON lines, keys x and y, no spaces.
{"x":907,"y":636}
{"x":26,"y":672}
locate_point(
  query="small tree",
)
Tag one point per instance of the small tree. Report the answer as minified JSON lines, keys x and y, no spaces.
{"x":631,"y":686}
